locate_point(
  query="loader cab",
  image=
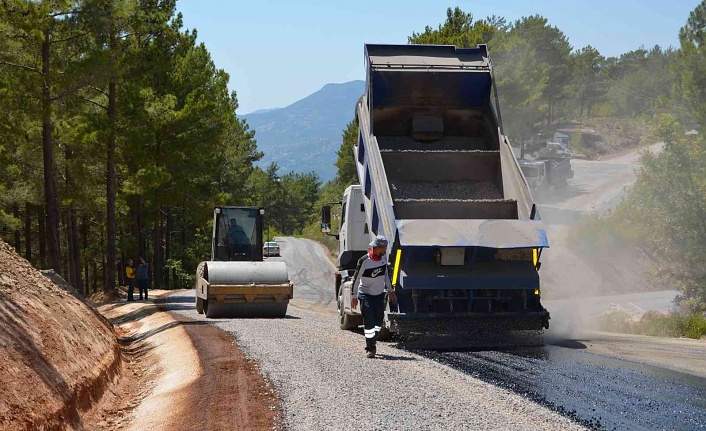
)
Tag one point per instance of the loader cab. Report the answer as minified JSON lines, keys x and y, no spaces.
{"x":237,"y":234}
{"x":534,"y":171}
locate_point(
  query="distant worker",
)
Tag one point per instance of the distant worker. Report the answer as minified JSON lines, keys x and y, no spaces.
{"x":238,"y":241}
{"x":130,"y":274}
{"x":143,"y":278}
{"x":370,"y":281}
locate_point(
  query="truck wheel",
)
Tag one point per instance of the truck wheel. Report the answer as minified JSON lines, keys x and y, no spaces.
{"x":199,"y":305}
{"x":346,"y":321}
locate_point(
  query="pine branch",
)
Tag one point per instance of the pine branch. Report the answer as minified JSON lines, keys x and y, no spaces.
{"x":70,"y":38}
{"x":70,"y":12}
{"x":20,"y":66}
{"x":93,"y":102}
{"x":98,"y":90}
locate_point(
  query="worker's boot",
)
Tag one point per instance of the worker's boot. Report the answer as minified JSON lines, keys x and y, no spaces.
{"x":371,"y":352}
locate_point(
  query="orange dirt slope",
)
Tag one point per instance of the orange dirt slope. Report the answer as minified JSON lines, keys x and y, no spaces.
{"x":56,"y":353}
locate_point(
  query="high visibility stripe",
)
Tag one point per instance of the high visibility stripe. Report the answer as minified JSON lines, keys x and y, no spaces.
{"x":370,"y":335}
{"x":377,"y":328}
{"x":535,"y":256}
{"x":370,"y":331}
{"x":397,"y":268}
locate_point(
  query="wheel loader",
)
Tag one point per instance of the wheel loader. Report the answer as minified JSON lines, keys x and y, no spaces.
{"x":237,"y":282}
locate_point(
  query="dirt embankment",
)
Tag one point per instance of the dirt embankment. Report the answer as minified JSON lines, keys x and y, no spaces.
{"x":56,"y":353}
{"x":63,"y":366}
{"x":598,"y":137}
{"x":181,"y":375}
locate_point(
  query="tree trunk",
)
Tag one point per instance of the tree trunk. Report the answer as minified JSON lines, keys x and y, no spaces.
{"x":28,"y":232}
{"x":41,"y":218}
{"x":183,"y":245}
{"x":75,"y":251}
{"x":158,"y":250}
{"x":84,"y":235}
{"x":68,"y":263}
{"x":121,"y":269}
{"x":17,"y":235}
{"x":50,"y":193}
{"x":110,"y":168}
{"x":141,"y":243}
{"x":168,"y":248}
{"x":95,"y":276}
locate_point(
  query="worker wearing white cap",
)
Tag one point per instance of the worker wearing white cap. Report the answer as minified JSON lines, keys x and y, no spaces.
{"x":369,"y":284}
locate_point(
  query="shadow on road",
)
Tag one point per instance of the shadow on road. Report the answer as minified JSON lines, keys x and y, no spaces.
{"x":148,"y":311}
{"x":395,"y":358}
{"x":175,"y":300}
{"x":155,"y":331}
{"x":569,"y":344}
{"x":559,"y":194}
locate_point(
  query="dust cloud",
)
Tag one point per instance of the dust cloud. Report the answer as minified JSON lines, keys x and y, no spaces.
{"x":579,"y":284}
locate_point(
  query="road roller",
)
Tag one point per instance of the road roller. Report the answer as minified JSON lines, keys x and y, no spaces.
{"x":237,"y":281}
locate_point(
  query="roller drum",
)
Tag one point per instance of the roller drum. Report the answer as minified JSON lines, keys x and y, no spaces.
{"x":246,"y":272}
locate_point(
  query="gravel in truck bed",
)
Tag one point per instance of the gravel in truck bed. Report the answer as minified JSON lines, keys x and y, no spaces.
{"x":450,"y":143}
{"x":456,"y":190}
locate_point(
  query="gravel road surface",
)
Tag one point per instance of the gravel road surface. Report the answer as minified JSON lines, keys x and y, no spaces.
{"x":327,"y":383}
{"x":598,"y":391}
{"x":308,"y":264}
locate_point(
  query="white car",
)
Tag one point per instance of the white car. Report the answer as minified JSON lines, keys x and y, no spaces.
{"x":271,"y":248}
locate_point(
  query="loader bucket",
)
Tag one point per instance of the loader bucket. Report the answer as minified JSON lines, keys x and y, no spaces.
{"x":244,"y":289}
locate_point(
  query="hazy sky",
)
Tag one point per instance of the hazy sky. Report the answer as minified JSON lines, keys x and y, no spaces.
{"x":279,"y":51}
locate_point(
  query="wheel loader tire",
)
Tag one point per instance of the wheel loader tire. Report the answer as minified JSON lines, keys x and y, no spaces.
{"x":346,"y":321}
{"x":199,"y":305}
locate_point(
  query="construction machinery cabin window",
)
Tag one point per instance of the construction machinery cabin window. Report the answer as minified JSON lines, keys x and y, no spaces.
{"x":343,"y":213}
{"x":236,"y":233}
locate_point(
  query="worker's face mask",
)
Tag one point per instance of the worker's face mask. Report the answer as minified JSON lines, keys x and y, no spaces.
{"x":379,"y":251}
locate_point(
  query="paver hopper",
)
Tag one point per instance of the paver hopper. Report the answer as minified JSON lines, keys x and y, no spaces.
{"x":236,"y":282}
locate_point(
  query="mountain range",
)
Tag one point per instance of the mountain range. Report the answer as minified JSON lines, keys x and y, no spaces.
{"x":305,"y":135}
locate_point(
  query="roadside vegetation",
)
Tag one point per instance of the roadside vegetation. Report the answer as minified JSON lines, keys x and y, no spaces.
{"x":654,"y":324}
{"x":118,"y":135}
{"x":664,"y":212}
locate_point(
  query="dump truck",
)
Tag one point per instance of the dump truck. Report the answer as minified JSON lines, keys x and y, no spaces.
{"x":439,"y":179}
{"x":237,"y":281}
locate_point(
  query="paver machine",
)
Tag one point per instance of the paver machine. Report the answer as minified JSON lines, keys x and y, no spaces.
{"x":237,"y":281}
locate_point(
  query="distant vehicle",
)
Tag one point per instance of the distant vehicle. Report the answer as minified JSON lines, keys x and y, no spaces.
{"x":549,"y":165}
{"x":535,"y":173}
{"x":270,"y":248}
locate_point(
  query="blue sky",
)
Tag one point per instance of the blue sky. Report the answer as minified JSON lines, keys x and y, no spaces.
{"x":279,"y":51}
